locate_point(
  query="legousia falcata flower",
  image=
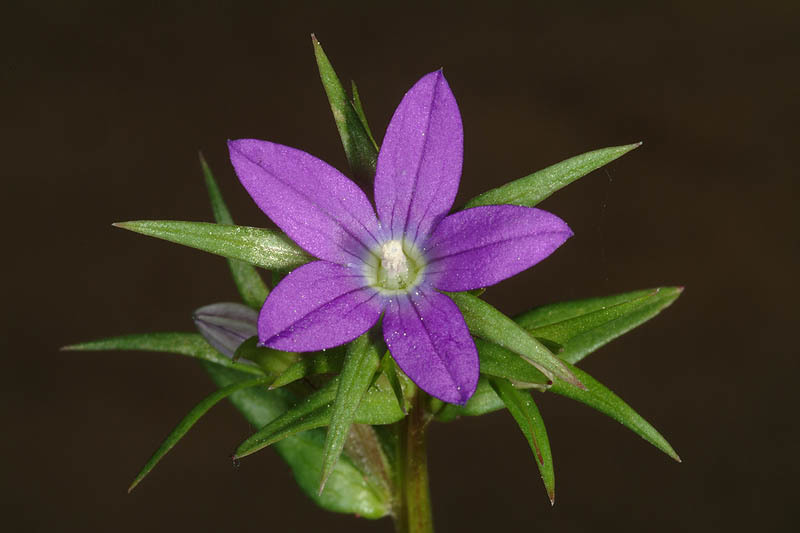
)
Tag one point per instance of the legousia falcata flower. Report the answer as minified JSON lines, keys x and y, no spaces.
{"x":397,"y":263}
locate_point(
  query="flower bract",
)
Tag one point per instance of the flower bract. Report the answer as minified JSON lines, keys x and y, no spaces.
{"x":393,"y":261}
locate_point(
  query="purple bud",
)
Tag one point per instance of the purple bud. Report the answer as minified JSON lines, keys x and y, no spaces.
{"x":226,"y":325}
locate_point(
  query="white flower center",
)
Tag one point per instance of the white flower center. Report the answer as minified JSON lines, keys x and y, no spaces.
{"x":395,"y":267}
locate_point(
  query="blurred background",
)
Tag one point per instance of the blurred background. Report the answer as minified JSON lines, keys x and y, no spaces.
{"x":105,"y":105}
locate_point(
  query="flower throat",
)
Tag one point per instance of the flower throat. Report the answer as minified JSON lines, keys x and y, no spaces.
{"x":398,"y":269}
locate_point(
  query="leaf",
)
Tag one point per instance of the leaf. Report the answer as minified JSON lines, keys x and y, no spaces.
{"x":485,"y":400}
{"x":190,"y":419}
{"x":490,"y":324}
{"x":499,"y":362}
{"x":534,"y":188}
{"x":327,"y":362}
{"x":599,"y":397}
{"x":265,"y":248}
{"x":361,"y":151}
{"x":586,"y":325}
{"x":348,"y":489}
{"x":251,"y":287}
{"x":360,"y":363}
{"x":190,"y":344}
{"x":524,"y":410}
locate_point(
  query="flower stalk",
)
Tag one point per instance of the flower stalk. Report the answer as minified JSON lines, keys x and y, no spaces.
{"x":412,"y":513}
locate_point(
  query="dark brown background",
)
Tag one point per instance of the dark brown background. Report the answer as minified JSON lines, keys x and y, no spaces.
{"x":105,"y":106}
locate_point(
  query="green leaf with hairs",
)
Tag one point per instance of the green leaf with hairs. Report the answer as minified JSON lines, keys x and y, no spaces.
{"x":190,"y":344}
{"x":264,"y":248}
{"x":534,"y":188}
{"x":581,"y":327}
{"x":523,"y":409}
{"x":251,"y":287}
{"x":599,"y":397}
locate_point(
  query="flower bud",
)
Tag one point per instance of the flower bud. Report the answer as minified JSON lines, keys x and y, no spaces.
{"x":225,"y":326}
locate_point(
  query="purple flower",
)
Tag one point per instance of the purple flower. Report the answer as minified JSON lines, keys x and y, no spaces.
{"x":397,"y":263}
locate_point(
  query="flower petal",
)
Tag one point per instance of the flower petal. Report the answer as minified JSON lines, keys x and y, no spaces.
{"x":481,"y":246}
{"x":431,"y":343}
{"x":419,"y":164}
{"x":317,"y":306}
{"x":317,"y":206}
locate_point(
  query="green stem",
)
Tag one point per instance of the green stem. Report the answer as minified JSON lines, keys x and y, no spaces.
{"x":412,"y":513}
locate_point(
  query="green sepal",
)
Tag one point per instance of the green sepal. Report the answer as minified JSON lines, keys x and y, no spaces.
{"x":524,"y":410}
{"x":251,"y":287}
{"x":534,"y":188}
{"x":581,"y":327}
{"x":484,"y":401}
{"x":378,"y":406}
{"x":264,"y":248}
{"x":272,"y":362}
{"x":359,"y":107}
{"x":317,"y":404}
{"x":348,"y":489}
{"x":392,"y":372}
{"x":599,"y":397}
{"x":190,"y":419}
{"x":190,"y":344}
{"x":486,"y":322}
{"x":328,"y":362}
{"x":360,"y":364}
{"x":360,"y":149}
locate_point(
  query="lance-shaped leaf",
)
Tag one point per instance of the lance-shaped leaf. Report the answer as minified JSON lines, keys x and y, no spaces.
{"x":583,"y":326}
{"x":599,"y":397}
{"x":499,"y":362}
{"x":524,"y":410}
{"x":327,"y":362}
{"x":257,"y":246}
{"x":190,"y":419}
{"x":360,"y":364}
{"x":251,"y":287}
{"x":485,"y":400}
{"x":534,"y":188}
{"x":190,"y":344}
{"x":226,"y":325}
{"x":362,"y":154}
{"x":348,"y":489}
{"x":490,"y":324}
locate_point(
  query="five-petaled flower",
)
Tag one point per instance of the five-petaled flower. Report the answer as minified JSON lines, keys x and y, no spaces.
{"x":396,"y":263}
